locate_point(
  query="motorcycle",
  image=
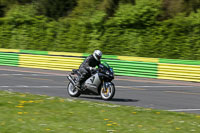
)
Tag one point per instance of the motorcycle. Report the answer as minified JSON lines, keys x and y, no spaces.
{"x":99,"y":83}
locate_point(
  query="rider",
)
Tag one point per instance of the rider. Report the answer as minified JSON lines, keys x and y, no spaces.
{"x":88,"y":65}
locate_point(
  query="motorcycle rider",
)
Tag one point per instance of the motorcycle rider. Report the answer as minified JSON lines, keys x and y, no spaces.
{"x":88,"y":66}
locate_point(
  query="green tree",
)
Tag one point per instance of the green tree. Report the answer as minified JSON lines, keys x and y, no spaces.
{"x":122,"y":31}
{"x":174,"y":38}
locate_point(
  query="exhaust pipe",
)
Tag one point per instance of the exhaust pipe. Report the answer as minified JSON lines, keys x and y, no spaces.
{"x":69,"y":77}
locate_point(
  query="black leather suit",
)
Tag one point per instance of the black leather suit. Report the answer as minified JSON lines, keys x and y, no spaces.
{"x":84,"y":68}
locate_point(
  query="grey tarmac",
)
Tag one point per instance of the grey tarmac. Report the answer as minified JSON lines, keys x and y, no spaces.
{"x":179,"y":96}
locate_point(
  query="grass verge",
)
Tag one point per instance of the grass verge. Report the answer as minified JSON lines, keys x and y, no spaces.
{"x":26,"y":113}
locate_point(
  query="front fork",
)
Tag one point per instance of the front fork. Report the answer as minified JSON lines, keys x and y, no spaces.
{"x":105,"y":85}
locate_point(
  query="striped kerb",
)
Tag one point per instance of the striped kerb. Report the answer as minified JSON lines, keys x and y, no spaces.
{"x":177,"y":61}
{"x":104,"y":56}
{"x":9,"y":59}
{"x":33,"y":52}
{"x":136,"y":66}
{"x":174,"y":69}
{"x":49,"y":62}
{"x":179,"y":72}
{"x":9,"y":50}
{"x":143,"y":59}
{"x":65,"y":54}
{"x":133,"y":68}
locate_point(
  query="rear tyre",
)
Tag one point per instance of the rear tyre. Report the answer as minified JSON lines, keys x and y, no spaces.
{"x":107,"y":93}
{"x":72,"y":91}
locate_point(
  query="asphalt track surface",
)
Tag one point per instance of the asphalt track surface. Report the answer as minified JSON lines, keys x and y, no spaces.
{"x":168,"y":95}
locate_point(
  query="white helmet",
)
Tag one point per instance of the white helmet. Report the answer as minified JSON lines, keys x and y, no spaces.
{"x":97,"y":55}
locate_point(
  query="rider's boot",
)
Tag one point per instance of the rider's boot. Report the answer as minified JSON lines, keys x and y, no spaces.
{"x":80,"y":80}
{"x":78,"y":85}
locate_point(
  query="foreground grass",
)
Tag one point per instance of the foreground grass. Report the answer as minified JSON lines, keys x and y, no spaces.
{"x":25,"y":113}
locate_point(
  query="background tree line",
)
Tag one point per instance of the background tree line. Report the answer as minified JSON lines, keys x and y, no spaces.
{"x":148,"y":28}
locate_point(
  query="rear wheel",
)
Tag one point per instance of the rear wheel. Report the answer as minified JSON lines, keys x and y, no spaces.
{"x":108,"y":92}
{"x":72,"y":91}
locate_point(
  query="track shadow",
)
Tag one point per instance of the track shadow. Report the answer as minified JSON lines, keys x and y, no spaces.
{"x":113,"y":100}
{"x":124,"y":100}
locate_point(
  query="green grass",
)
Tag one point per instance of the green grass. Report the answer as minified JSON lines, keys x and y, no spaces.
{"x":26,"y":113}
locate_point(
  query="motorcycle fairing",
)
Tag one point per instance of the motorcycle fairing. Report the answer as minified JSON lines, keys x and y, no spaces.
{"x":93,"y":83}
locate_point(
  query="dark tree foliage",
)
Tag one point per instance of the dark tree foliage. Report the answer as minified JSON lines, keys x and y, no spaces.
{"x":192,"y":5}
{"x":55,"y":8}
{"x":50,"y":8}
{"x":110,"y":6}
{"x":128,"y":1}
{"x":24,"y":1}
{"x":10,"y":2}
{"x":6,"y":4}
{"x":2,"y":10}
{"x":173,"y":7}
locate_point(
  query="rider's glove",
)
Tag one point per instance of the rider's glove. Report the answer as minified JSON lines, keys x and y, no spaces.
{"x":92,"y":68}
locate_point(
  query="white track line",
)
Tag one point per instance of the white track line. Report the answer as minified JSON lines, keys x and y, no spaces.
{"x":181,"y":110}
{"x":178,"y":86}
{"x":24,"y":86}
{"x":128,"y":87}
{"x":162,"y":86}
{"x":18,"y":74}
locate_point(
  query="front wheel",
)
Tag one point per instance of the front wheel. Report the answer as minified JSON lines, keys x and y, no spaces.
{"x":72,"y":91}
{"x":107,"y":92}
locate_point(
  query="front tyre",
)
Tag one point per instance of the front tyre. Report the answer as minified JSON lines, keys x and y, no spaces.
{"x":72,"y":91}
{"x":107,"y":92}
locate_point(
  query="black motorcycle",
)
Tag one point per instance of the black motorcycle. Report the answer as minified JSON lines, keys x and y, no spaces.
{"x":98,"y":84}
